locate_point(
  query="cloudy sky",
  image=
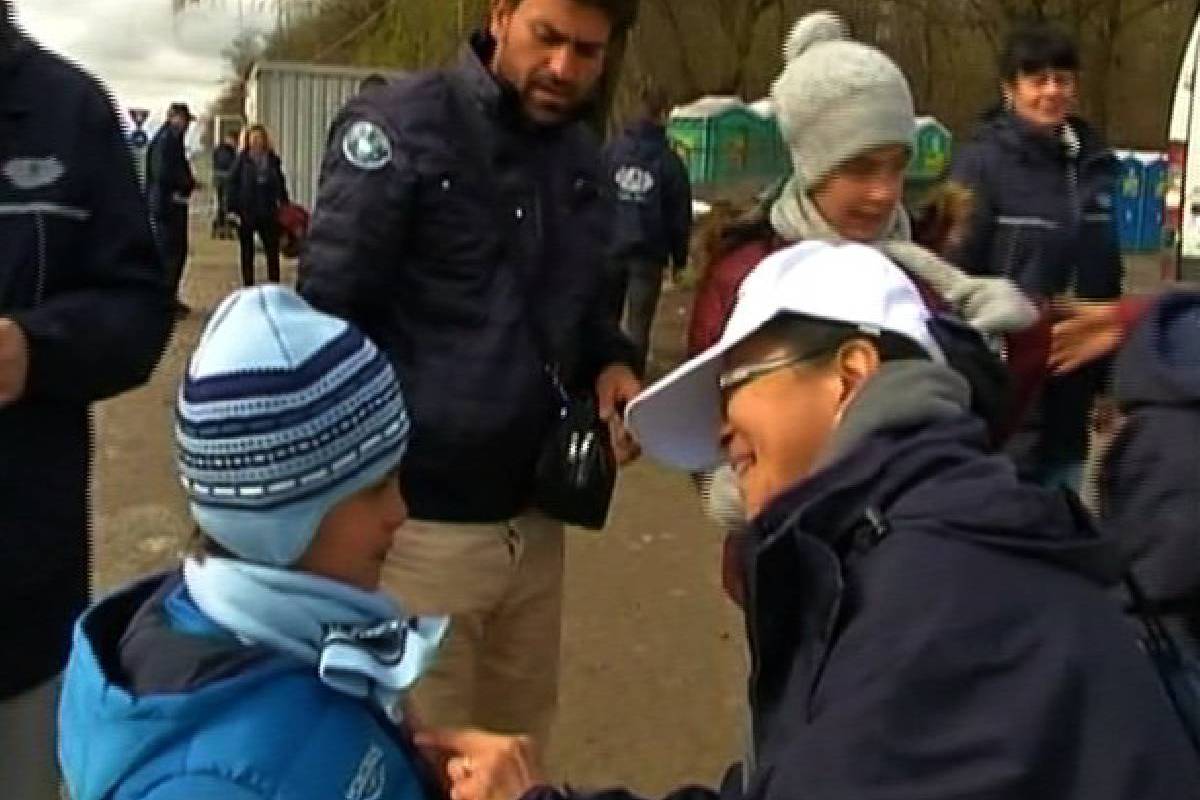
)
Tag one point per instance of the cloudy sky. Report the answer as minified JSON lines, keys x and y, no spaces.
{"x":147,"y":56}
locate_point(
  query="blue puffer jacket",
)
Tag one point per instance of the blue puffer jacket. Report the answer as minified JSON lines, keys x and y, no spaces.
{"x":160,"y":704}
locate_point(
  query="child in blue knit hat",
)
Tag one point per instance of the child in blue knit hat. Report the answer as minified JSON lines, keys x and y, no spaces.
{"x":268,"y":665}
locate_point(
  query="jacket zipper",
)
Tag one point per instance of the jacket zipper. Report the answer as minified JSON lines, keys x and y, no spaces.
{"x":39,"y":290}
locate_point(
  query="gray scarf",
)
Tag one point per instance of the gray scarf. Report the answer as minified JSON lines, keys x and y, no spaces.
{"x":991,"y":305}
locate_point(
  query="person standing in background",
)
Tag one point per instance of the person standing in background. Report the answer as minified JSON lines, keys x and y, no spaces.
{"x":224,"y":155}
{"x":169,"y":187}
{"x":1043,"y":182}
{"x":654,"y":217}
{"x":257,"y":189}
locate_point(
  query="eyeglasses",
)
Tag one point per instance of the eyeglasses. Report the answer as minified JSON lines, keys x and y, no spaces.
{"x":740,"y":376}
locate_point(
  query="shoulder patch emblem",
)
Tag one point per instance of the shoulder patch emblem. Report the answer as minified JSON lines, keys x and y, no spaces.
{"x":634,"y":184}
{"x":33,"y":173}
{"x":366,"y":146}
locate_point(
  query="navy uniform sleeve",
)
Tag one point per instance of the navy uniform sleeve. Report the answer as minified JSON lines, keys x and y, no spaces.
{"x":604,"y":344}
{"x":104,"y":333}
{"x":359,"y":221}
{"x":974,"y":255}
{"x":678,"y":197}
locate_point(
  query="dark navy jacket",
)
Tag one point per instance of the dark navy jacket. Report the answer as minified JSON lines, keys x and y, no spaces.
{"x":1150,"y":487}
{"x":654,"y":197}
{"x":159,"y":703}
{"x":255,"y":196}
{"x":169,"y":181}
{"x":923,"y":625}
{"x":480,"y":230}
{"x":79,"y":273}
{"x":1051,"y":229}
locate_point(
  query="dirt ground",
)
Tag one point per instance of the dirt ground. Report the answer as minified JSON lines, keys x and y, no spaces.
{"x":653,"y":656}
{"x":653,"y":665}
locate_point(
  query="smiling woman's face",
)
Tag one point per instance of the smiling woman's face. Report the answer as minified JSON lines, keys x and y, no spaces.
{"x":778,"y":423}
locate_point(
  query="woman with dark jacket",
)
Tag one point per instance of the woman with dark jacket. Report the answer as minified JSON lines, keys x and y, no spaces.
{"x":257,"y":189}
{"x":1043,"y":182}
{"x":922,"y":623}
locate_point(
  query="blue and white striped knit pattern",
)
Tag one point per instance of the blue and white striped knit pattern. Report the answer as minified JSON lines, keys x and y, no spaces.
{"x":262,"y":439}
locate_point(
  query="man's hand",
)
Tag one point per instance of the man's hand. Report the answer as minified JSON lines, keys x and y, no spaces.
{"x":485,"y":766}
{"x":1084,"y":332}
{"x":615,"y":387}
{"x":14,"y":362}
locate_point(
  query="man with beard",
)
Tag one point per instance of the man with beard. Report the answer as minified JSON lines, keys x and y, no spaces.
{"x":84,"y":315}
{"x":462,"y":222}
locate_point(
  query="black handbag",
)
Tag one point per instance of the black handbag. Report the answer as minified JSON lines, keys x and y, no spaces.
{"x":576,"y":470}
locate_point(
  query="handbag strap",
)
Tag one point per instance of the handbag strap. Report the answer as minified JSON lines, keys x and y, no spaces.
{"x":478,"y":144}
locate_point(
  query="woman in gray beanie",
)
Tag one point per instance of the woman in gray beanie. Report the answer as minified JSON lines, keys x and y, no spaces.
{"x":846,"y":113}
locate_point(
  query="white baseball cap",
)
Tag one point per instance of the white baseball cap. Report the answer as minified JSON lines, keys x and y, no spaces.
{"x":678,"y":419}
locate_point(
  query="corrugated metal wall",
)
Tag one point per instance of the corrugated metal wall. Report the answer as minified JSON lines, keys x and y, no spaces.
{"x":297,"y":103}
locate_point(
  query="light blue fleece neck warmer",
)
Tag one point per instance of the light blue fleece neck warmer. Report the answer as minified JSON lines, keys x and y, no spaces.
{"x":362,"y":643}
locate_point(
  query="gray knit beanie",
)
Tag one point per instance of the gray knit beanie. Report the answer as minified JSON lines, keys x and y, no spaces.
{"x":837,"y":98}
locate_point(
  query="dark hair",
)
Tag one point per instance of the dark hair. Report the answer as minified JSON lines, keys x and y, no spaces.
{"x":621,"y":13}
{"x":822,"y":338}
{"x":371,"y":81}
{"x":654,"y":102}
{"x":1036,"y":46}
{"x":200,"y":546}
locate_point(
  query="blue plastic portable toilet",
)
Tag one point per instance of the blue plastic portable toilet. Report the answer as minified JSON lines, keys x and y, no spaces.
{"x":1154,"y":187}
{"x":1129,"y":205}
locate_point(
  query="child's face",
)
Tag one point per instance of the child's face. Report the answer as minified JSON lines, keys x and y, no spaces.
{"x":859,"y":198}
{"x":354,"y":538}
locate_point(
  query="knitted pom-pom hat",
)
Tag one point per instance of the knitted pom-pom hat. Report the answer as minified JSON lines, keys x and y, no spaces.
{"x":837,"y":99}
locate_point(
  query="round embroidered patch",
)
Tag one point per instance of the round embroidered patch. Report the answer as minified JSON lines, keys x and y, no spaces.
{"x":366,"y":146}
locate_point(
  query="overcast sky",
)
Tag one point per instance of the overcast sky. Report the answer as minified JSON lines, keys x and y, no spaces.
{"x":147,"y":56}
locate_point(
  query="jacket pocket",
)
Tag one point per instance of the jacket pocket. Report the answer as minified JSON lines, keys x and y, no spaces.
{"x":23,"y":259}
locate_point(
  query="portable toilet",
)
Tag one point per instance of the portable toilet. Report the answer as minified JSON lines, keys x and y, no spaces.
{"x":1154,"y":189}
{"x":1129,"y":203}
{"x":932,"y":143}
{"x":722,"y":140}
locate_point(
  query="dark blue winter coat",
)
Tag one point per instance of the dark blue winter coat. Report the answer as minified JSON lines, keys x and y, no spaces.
{"x":159,"y":703}
{"x":1045,"y":220}
{"x":925,"y":626}
{"x":654,"y":197}
{"x":80,"y":275}
{"x":1150,"y":487}
{"x":169,"y":180}
{"x":474,"y":236}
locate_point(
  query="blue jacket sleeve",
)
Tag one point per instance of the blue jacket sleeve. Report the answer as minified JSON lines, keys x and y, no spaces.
{"x":358,"y":227}
{"x":105,"y":331}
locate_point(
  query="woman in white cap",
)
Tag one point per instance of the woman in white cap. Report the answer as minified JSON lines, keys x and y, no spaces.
{"x":922,"y":624}
{"x":269,"y":665}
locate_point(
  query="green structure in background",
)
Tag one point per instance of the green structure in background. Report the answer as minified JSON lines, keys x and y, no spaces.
{"x":724,"y":141}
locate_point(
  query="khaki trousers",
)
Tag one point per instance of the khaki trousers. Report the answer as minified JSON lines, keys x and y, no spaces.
{"x":502,"y":585}
{"x":28,"y":761}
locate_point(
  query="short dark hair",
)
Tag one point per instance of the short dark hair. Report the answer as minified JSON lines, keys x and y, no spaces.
{"x":200,"y":546}
{"x":821,"y":338}
{"x":1036,"y":46}
{"x":654,"y":102}
{"x":371,"y":81}
{"x":622,"y":13}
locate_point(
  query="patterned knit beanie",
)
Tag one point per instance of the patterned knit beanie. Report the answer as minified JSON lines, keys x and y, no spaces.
{"x":283,"y":413}
{"x":836,"y":98}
